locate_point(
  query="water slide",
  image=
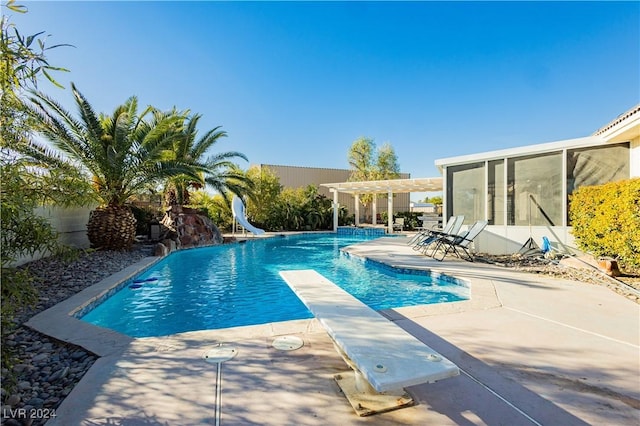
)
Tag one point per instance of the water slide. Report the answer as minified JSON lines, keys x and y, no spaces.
{"x":237,"y":207}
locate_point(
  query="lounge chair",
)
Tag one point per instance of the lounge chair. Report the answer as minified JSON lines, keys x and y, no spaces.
{"x":425,"y":233}
{"x":451,"y":228}
{"x":459,"y":244}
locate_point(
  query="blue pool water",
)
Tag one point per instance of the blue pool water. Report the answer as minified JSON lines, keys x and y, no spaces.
{"x":238,"y":284}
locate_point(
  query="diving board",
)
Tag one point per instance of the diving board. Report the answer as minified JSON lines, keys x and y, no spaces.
{"x":378,"y":350}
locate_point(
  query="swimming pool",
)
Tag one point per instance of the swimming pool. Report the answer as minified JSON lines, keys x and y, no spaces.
{"x":238,"y":284}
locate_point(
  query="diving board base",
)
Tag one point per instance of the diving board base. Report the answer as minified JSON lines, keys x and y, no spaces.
{"x":370,"y":402}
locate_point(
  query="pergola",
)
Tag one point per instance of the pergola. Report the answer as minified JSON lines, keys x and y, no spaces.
{"x":389,"y":187}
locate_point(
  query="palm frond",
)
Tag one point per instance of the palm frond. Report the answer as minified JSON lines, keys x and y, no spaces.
{"x":58,"y":126}
{"x":207,"y":141}
{"x":224,"y":157}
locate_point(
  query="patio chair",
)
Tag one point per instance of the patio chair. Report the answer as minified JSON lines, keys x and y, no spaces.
{"x":459,"y":244}
{"x":451,"y":228}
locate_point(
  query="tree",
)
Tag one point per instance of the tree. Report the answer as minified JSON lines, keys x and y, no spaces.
{"x":217,"y":171}
{"x":436,"y":200}
{"x":266,"y":190}
{"x":387,"y":166}
{"x":122,"y":154}
{"x":367,"y":163}
{"x":361,"y":160}
{"x":22,"y":63}
{"x":26,"y":181}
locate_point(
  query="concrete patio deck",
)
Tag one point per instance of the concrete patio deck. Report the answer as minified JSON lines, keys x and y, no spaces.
{"x":532,"y":350}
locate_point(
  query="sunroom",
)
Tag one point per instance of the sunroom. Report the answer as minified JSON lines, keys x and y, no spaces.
{"x":524,"y":192}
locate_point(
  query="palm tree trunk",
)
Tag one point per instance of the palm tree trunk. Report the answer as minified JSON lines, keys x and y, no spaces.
{"x":112,"y":228}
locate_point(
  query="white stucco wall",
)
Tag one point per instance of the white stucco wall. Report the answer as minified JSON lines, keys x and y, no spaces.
{"x":71,"y":225}
{"x":635,"y":157}
{"x":510,"y":239}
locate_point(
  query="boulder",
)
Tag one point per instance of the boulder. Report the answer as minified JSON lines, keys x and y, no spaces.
{"x":609,"y":266}
{"x":186,"y":228}
{"x":160,"y":250}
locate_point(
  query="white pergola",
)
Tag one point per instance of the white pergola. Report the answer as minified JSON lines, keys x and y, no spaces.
{"x":389,"y":187}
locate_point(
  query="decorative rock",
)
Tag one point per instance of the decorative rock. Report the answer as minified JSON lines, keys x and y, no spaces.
{"x":78,"y":355}
{"x":609,"y":266}
{"x":171,"y":244}
{"x":19,"y":368}
{"x":188,"y":228}
{"x":36,"y":402}
{"x":13,"y":400}
{"x":160,"y":250}
{"x":46,"y":347}
{"x":40,"y":357}
{"x":60,"y":374}
{"x":52,"y":401}
{"x":35,"y":347}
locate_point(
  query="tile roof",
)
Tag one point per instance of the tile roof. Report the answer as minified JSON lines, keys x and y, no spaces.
{"x":618,"y":120}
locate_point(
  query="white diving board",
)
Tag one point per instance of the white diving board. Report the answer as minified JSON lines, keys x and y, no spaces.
{"x":384,"y":354}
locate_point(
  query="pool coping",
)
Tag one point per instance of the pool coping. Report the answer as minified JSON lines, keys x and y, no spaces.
{"x":61,"y":321}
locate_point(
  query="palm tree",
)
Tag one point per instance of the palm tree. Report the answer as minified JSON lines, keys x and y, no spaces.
{"x":122,"y":153}
{"x":217,"y":171}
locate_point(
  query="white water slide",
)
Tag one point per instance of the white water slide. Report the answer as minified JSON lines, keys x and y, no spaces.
{"x":237,"y":207}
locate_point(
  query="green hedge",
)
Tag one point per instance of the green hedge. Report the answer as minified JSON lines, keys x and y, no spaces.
{"x":606,"y":220}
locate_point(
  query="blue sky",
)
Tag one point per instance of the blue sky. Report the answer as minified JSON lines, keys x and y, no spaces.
{"x":295,"y":83}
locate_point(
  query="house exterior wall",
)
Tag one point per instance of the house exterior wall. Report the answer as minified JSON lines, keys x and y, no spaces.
{"x":635,"y":157}
{"x":625,"y":127}
{"x":300,"y":177}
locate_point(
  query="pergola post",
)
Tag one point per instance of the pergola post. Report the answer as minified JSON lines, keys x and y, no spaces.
{"x":357,"y":209}
{"x":374,"y":210}
{"x":336,"y":206}
{"x":390,"y":212}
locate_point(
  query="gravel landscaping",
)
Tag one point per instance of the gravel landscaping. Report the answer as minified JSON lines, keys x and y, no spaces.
{"x":45,"y":370}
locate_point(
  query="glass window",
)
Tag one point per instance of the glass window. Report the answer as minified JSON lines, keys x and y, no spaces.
{"x":534,"y":192}
{"x":597,"y":166}
{"x":495,"y":195}
{"x":465,"y":191}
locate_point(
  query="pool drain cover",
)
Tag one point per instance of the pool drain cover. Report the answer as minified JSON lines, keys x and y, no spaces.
{"x":220,"y":354}
{"x":287,"y":343}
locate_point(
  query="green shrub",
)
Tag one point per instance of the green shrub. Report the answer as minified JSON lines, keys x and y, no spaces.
{"x":214,"y":207}
{"x":606,"y":220}
{"x":411,"y":221}
{"x":144,"y":216}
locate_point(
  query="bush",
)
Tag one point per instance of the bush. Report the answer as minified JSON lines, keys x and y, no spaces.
{"x":411,"y":221}
{"x":606,"y":220}
{"x":214,"y":207}
{"x":144,"y":216}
